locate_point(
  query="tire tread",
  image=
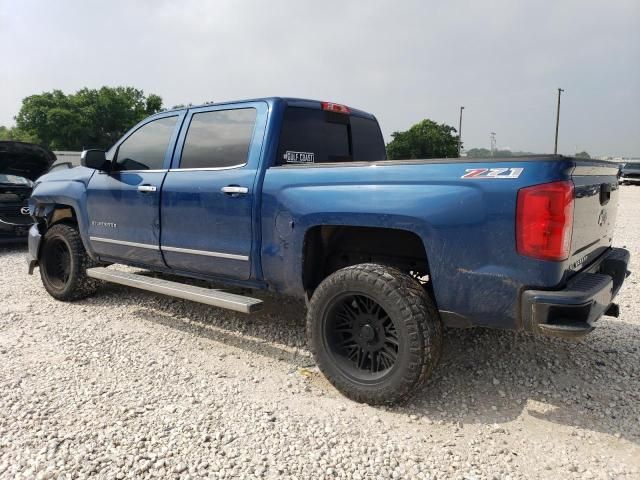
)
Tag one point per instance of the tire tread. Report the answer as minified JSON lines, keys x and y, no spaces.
{"x":418,"y":312}
{"x":82,"y":286}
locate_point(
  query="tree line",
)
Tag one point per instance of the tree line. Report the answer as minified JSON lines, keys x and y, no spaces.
{"x":97,"y":118}
{"x":88,"y":118}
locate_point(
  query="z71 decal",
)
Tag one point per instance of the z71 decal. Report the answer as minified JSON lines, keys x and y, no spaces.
{"x":489,"y":173}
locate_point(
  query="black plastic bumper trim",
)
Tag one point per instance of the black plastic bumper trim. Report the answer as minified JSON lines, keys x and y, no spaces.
{"x":572,"y":311}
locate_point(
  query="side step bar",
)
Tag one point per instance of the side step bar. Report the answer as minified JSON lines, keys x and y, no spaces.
{"x":216,"y":298}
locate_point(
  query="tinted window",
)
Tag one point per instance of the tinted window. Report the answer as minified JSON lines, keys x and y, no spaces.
{"x":145,"y":148}
{"x":218,"y":139}
{"x":368,"y":144}
{"x":316,"y":136}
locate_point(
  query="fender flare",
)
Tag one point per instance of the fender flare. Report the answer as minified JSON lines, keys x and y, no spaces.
{"x":47,"y":197}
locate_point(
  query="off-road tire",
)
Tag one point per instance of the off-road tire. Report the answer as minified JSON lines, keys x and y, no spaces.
{"x":407,"y":304}
{"x":58,"y":239}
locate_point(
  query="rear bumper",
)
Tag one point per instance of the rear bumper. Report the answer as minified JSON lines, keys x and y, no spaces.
{"x":572,"y":311}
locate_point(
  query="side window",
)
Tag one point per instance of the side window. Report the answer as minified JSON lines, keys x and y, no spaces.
{"x":145,"y":148}
{"x":218,"y":139}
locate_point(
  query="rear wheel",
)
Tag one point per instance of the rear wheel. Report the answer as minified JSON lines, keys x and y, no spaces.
{"x":374,"y":332}
{"x":63,"y":264}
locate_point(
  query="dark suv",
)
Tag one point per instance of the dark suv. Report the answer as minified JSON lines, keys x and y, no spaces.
{"x":630,"y":173}
{"x":20,"y":165}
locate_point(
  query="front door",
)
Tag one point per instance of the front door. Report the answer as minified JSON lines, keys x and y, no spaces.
{"x":124,"y":204}
{"x":207,"y":209}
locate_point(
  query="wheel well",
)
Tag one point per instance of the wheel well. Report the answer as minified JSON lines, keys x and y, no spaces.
{"x":49,"y":216}
{"x":62,"y":213}
{"x":328,"y":248}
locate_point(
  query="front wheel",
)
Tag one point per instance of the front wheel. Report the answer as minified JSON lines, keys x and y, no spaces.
{"x":63,"y":264}
{"x":374,"y":333}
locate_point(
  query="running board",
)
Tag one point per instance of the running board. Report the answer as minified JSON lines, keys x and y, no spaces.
{"x":216,"y":298}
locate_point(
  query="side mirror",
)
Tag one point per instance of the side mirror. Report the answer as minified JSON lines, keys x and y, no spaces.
{"x":95,"y":159}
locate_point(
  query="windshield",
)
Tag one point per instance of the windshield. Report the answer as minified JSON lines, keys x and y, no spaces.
{"x":15,"y":180}
{"x":632,"y":165}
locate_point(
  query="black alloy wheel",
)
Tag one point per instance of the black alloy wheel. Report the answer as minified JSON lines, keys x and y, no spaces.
{"x":63,"y":264}
{"x":374,"y":332}
{"x":56,"y":263}
{"x":361,"y":337}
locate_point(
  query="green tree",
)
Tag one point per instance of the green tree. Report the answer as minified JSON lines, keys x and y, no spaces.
{"x":582,"y":154}
{"x":89,"y":118}
{"x":425,"y":139}
{"x":15,"y":134}
{"x":5,"y":133}
{"x":486,"y":153}
{"x":478,"y":152}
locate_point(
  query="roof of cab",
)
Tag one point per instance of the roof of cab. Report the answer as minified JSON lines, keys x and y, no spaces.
{"x":289,"y":101}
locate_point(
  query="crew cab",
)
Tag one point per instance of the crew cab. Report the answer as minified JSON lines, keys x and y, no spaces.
{"x":298,"y":197}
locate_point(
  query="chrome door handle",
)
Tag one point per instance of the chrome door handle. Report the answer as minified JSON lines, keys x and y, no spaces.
{"x":147,"y":188}
{"x":234,"y":189}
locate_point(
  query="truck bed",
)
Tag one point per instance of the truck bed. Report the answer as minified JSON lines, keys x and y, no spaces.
{"x":466,"y":224}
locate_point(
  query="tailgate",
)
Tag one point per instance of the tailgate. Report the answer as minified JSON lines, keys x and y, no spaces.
{"x":595,"y":208}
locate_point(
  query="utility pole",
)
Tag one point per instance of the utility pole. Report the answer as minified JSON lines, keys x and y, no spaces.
{"x":555,"y":147}
{"x":460,"y":133}
{"x":492,"y":137}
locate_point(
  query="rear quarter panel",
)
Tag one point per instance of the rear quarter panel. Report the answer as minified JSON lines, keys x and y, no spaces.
{"x":467,"y":225}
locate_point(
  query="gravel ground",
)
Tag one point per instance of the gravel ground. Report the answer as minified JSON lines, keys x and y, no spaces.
{"x":130,"y":384}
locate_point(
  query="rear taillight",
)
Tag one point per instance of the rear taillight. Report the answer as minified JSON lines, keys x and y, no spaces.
{"x":335,"y":107}
{"x":544,"y":221}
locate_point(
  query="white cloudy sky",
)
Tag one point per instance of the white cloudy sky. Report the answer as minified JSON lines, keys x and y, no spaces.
{"x":402,"y":60}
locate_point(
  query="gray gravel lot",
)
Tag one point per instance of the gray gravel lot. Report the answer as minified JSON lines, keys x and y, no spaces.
{"x":129,"y":384}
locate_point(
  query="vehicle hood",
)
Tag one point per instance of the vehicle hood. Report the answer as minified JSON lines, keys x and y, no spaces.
{"x":77,"y":174}
{"x":24,"y":159}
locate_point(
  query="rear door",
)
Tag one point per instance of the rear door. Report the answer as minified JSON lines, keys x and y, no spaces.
{"x":595,"y":209}
{"x":124,"y":204}
{"x":208,"y":195}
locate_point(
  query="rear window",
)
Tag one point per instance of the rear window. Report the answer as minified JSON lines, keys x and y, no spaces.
{"x":317,"y":136}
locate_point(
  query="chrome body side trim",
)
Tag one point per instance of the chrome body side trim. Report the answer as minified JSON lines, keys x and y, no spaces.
{"x":153,"y":170}
{"x":120,"y":172}
{"x":122,"y":242}
{"x":207,"y":169}
{"x":230,"y":256}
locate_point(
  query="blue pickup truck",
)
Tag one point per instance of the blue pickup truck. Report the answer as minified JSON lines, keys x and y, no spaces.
{"x":297,"y":196}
